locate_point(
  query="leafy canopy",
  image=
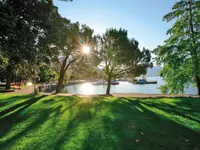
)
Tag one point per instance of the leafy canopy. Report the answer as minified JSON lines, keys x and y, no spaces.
{"x":180,"y":53}
{"x":121,"y":55}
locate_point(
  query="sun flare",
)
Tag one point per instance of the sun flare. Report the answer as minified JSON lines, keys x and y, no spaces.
{"x":86,"y":49}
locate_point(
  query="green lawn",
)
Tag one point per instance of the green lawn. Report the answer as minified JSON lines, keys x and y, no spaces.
{"x":99,"y":123}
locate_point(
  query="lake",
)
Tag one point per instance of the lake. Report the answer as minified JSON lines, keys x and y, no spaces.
{"x":123,"y":87}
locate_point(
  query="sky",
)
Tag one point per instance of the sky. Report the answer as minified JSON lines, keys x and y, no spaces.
{"x":142,"y":18}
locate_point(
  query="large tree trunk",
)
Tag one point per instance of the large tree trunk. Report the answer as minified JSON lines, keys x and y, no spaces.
{"x":108,"y":85}
{"x":195,"y":48}
{"x":198,"y":85}
{"x":63,"y":70}
{"x":9,"y":70}
{"x":61,"y":75}
{"x":60,"y":83}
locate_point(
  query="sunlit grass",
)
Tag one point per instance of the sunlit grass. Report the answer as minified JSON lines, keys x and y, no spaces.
{"x":53,"y":122}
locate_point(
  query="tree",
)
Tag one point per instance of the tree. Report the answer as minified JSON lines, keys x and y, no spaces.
{"x":121,"y":56}
{"x":87,"y":69}
{"x":3,"y":62}
{"x":24,"y":25}
{"x":180,"y":53}
{"x":47,"y":74}
{"x":72,"y":38}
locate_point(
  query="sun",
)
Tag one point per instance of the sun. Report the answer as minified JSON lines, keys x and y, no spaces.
{"x":86,"y":49}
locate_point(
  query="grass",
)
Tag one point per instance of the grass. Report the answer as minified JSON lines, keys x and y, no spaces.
{"x":98,"y":123}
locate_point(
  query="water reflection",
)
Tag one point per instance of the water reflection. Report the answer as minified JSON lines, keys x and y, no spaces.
{"x":123,"y":87}
{"x":87,"y":88}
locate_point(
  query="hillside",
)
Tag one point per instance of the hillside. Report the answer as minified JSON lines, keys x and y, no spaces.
{"x":152,"y":72}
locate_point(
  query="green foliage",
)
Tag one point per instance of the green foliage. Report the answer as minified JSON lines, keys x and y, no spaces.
{"x":27,"y":32}
{"x":180,"y":53}
{"x":67,"y":77}
{"x":57,"y":122}
{"x":23,"y":23}
{"x":85,"y":71}
{"x":46,"y":74}
{"x":3,"y":62}
{"x":121,"y":55}
{"x":72,"y":37}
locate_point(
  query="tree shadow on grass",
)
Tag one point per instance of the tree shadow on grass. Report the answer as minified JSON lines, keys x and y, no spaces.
{"x":178,"y":110}
{"x":25,"y":105}
{"x":100,"y":123}
{"x":11,"y":118}
{"x":132,"y":126}
{"x":122,"y":124}
{"x":15,"y":97}
{"x":186,"y":137}
{"x":40,"y":116}
{"x":79,"y":124}
{"x":12,"y":99}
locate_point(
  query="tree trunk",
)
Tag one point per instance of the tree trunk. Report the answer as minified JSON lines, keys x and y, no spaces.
{"x":195,"y":48}
{"x":63,"y":70}
{"x":60,"y":83}
{"x":198,"y":85}
{"x":61,"y":76}
{"x":34,"y":84}
{"x":8,"y":76}
{"x":108,"y":85}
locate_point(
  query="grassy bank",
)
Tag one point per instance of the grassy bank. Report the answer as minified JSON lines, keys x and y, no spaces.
{"x":98,"y":123}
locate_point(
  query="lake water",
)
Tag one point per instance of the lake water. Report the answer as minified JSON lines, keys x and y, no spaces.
{"x":123,"y":87}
